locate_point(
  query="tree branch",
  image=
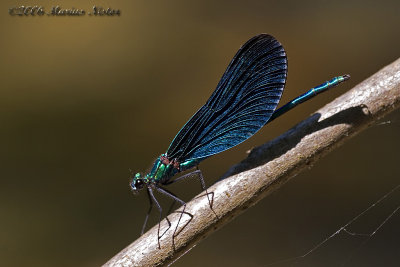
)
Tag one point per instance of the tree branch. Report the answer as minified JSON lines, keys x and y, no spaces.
{"x":270,"y":166}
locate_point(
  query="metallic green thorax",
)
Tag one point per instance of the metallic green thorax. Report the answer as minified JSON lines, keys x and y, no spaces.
{"x":162,"y":172}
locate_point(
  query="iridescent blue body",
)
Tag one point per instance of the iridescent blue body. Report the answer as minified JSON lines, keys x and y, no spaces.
{"x":244,"y":101}
{"x":309,"y":94}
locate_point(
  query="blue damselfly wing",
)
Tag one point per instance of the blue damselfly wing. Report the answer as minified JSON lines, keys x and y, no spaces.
{"x":242,"y":103}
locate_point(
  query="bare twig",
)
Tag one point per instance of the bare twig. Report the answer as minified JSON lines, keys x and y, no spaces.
{"x":270,"y":166}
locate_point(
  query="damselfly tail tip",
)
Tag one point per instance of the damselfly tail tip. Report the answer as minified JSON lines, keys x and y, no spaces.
{"x":346,"y":77}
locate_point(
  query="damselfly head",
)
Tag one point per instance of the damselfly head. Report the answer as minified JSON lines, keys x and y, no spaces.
{"x":137,"y":183}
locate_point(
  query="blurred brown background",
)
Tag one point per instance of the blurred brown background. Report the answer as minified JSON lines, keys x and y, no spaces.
{"x":85,"y":99}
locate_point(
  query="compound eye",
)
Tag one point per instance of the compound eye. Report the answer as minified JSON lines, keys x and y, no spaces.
{"x":139,"y":183}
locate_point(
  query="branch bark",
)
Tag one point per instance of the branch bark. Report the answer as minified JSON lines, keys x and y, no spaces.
{"x":270,"y":166}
